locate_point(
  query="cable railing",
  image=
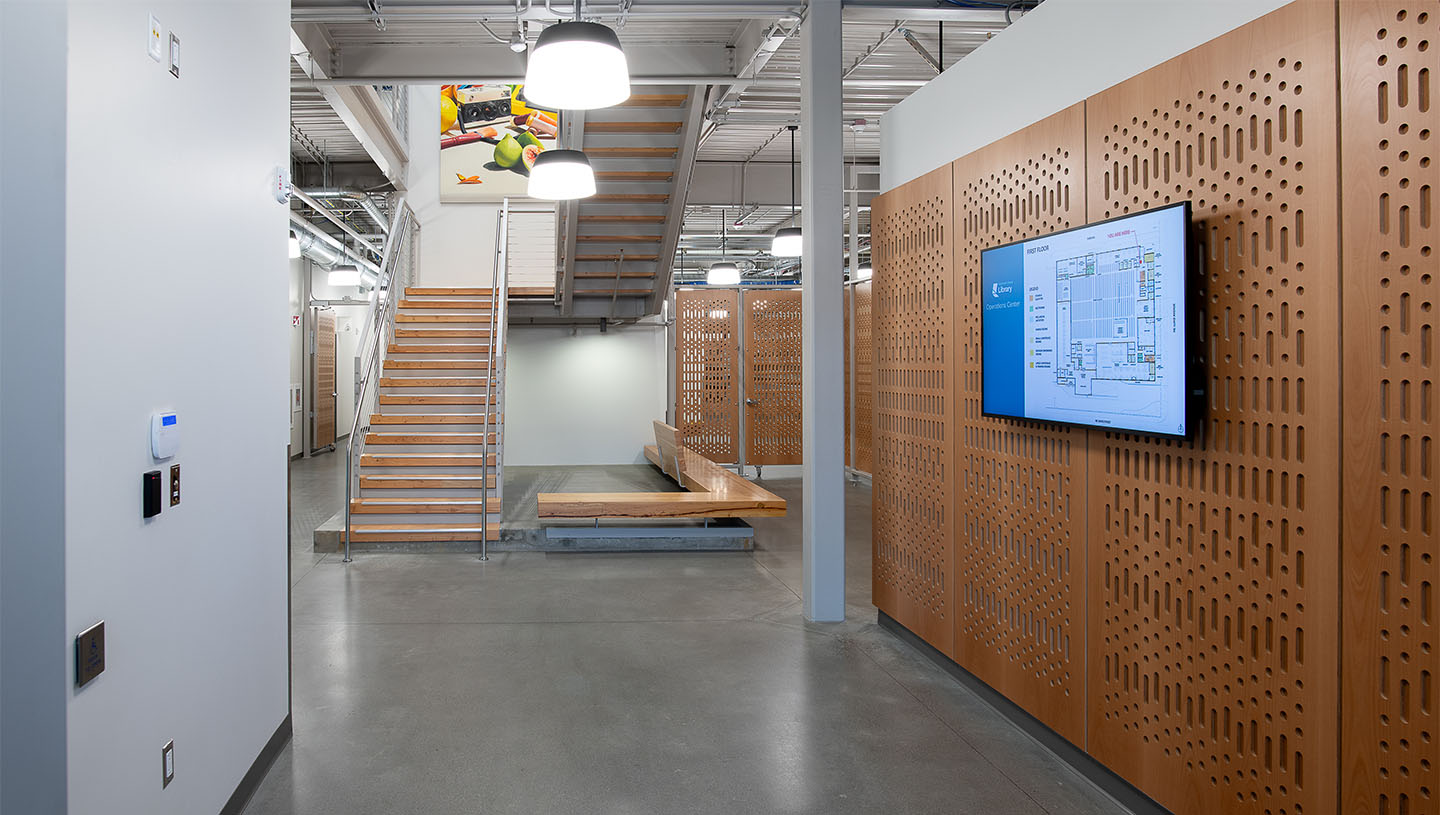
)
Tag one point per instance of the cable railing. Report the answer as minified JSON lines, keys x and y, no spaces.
{"x":377,"y":330}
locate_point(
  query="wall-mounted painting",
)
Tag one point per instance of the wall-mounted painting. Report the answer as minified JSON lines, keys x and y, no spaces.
{"x":489,"y":139}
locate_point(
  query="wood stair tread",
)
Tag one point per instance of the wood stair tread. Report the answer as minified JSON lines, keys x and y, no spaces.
{"x":437,"y":399}
{"x":437,"y":364}
{"x":613,"y":292}
{"x":436,"y":333}
{"x":420,"y":532}
{"x":442,"y":318}
{"x":428,"y":382}
{"x":434,"y":418}
{"x":631,"y":152}
{"x":425,"y":482}
{"x":457,"y":439}
{"x":456,"y":348}
{"x":422,"y":291}
{"x":628,"y":197}
{"x":421,"y":506}
{"x":531,"y":291}
{"x":622,"y":219}
{"x":632,"y":127}
{"x":425,"y":459}
{"x":469,"y":305}
{"x":634,"y":175}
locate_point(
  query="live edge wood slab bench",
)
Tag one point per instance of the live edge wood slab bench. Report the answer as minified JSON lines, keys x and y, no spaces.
{"x":711,"y":491}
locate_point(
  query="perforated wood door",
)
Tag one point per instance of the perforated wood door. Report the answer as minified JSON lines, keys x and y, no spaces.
{"x":1020,"y":547}
{"x":707,"y":384}
{"x":913,"y":511}
{"x":772,"y":377}
{"x":1390,"y":56}
{"x":862,"y":356}
{"x":1213,"y":569}
{"x":325,"y":392}
{"x":850,"y":367}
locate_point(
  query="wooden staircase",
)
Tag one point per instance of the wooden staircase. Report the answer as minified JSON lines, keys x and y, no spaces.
{"x":420,"y":473}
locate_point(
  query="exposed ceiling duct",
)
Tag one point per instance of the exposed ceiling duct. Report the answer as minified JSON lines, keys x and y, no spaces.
{"x":321,"y":247}
{"x":358,"y":196}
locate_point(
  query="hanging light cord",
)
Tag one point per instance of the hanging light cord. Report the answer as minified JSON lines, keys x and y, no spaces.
{"x":792,"y":175}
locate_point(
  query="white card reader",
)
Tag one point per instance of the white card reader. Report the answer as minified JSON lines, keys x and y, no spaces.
{"x":164,"y":435}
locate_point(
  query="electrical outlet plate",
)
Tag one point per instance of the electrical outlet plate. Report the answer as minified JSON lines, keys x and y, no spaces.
{"x":174,"y":55}
{"x":167,"y":764}
{"x":154,"y":46}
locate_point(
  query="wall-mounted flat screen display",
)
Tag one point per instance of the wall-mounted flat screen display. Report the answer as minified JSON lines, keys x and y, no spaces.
{"x":1089,"y":326}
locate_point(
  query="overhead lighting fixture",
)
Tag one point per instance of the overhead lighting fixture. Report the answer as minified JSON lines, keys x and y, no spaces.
{"x":577,"y":66}
{"x":723,"y":273}
{"x":518,"y":44}
{"x":344,"y":276}
{"x":789,"y":242}
{"x":562,"y":175}
{"x":294,"y":246}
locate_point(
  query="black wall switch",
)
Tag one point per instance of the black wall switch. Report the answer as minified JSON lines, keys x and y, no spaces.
{"x":174,"y":484}
{"x":151,"y":493}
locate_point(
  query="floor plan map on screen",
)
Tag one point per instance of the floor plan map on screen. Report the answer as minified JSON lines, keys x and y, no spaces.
{"x":1105,"y":328}
{"x":1103,"y":325}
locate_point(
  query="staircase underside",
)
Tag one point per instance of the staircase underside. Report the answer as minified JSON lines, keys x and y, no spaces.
{"x":617,"y":248}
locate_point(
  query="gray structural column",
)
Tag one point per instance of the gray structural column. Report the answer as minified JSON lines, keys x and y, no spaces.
{"x":822,"y":334}
{"x":35,"y":676}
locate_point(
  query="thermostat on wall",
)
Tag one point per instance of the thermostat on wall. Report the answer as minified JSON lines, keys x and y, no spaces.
{"x":164,"y":435}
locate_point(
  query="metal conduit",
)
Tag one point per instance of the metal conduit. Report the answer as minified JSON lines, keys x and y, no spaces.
{"x":350,"y":194}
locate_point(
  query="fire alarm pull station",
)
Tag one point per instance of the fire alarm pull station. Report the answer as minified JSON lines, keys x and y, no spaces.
{"x":164,"y":435}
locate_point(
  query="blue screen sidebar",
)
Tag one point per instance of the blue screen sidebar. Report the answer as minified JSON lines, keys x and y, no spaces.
{"x":1003,"y":278}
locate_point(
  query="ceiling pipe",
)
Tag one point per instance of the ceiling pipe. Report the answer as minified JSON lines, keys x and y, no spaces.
{"x":330,"y":216}
{"x":335,"y":246}
{"x":352,"y":194}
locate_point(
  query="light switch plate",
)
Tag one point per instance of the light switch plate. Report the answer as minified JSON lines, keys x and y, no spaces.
{"x":174,"y":484}
{"x":174,"y":55}
{"x":155,"y":46}
{"x":167,"y":764}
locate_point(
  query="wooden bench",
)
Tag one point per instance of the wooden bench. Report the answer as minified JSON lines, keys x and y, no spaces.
{"x":711,"y":490}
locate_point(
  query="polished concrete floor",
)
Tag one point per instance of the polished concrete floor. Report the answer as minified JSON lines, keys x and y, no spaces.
{"x":655,"y":683}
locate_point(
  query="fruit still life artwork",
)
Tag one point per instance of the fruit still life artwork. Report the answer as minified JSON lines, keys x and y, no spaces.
{"x":489,"y":140}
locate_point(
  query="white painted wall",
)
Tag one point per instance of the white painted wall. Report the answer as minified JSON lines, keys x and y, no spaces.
{"x":1062,"y":53}
{"x":34,"y":664}
{"x":457,"y":241}
{"x":583,"y":399}
{"x":176,"y":286}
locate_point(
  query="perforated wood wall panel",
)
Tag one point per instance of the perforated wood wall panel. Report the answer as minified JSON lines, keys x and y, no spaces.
{"x":1020,"y":546}
{"x":772,"y":377}
{"x":863,"y":360}
{"x":707,"y":381}
{"x":1390,"y":55}
{"x":1213,"y":571}
{"x":913,"y":513}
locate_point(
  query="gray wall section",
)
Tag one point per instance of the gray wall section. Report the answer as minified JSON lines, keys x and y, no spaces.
{"x":34,"y":658}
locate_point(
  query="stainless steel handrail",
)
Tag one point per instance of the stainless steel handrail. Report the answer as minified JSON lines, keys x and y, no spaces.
{"x":378,"y":327}
{"x":499,"y":280}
